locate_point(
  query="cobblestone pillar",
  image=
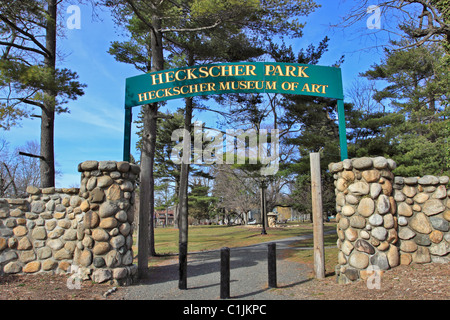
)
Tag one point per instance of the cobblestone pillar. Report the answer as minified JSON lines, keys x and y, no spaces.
{"x":105,"y":237}
{"x":367,"y":226}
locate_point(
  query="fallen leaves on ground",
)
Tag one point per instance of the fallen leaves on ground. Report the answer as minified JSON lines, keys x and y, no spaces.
{"x":414,"y":282}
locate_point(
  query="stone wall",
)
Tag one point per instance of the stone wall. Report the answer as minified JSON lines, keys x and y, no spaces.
{"x":384,"y":221}
{"x":87,"y":230}
{"x":423,"y":219}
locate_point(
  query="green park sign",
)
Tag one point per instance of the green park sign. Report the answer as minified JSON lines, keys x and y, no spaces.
{"x":244,"y":77}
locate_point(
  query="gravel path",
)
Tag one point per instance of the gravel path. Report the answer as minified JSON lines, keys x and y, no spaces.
{"x":249,"y":279}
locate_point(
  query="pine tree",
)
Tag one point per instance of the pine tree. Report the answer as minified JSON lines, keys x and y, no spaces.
{"x":416,"y":90}
{"x":28,"y":74}
{"x":165,"y":22}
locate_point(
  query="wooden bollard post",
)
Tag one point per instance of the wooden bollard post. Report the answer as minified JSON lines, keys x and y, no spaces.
{"x":272,"y":264}
{"x":316,"y":190}
{"x":225,"y":273}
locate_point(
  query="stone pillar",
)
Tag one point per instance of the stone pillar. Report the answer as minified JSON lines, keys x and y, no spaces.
{"x":104,"y":251}
{"x":272,"y":219}
{"x":367,"y":226}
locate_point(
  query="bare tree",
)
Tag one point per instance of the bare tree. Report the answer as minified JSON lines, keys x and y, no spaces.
{"x":16,"y":171}
{"x":28,"y":167}
{"x":361,"y":94}
{"x":7,"y":171}
{"x":421,"y":20}
{"x":234,"y":190}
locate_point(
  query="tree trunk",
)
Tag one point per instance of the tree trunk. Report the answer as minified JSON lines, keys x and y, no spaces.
{"x":47,"y":164}
{"x":183,"y":198}
{"x":146,"y":201}
{"x":146,"y":238}
{"x":183,"y":212}
{"x":157,"y":65}
{"x":146,"y":177}
{"x":175,"y":215}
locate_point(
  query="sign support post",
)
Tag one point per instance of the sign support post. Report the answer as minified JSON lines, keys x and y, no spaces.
{"x":127,"y":134}
{"x":342,"y":129}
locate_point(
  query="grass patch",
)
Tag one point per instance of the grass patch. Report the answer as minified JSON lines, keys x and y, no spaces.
{"x":202,"y":238}
{"x":328,"y":240}
{"x":307,"y":256}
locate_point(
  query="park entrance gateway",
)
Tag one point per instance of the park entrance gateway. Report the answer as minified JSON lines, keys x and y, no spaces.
{"x":245,"y":77}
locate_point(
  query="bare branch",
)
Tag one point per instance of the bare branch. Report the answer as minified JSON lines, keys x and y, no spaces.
{"x":31,"y":102}
{"x":407,"y":17}
{"x":219,"y":21}
{"x":31,"y":155}
{"x":11,"y":180}
{"x":11,"y":44}
{"x":27,"y":34}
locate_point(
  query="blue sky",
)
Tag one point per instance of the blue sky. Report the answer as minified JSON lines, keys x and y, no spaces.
{"x":93,"y":130}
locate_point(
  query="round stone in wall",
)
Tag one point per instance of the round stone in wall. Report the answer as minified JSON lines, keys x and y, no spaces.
{"x":404,"y":210}
{"x":364,"y":246}
{"x":366,"y":207}
{"x":433,"y":207}
{"x":380,"y":259}
{"x":380,"y":162}
{"x":439,"y":224}
{"x":348,"y":210}
{"x":359,"y":188}
{"x":379,"y":233}
{"x":359,"y":260}
{"x":376,"y":220}
{"x":107,"y":165}
{"x":107,"y":209}
{"x":406,"y":233}
{"x":362,"y":163}
{"x":357,"y":222}
{"x":408,"y":246}
{"x":428,"y":180}
{"x":89,"y":165}
{"x":383,"y":204}
{"x":375,"y":190}
{"x":420,"y":223}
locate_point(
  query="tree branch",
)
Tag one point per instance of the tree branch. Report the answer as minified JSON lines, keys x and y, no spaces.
{"x":12,"y":179}
{"x":29,"y":35}
{"x":18,"y":46}
{"x":33,"y":103}
{"x":193,"y":29}
{"x":138,"y":14}
{"x":31,"y":155}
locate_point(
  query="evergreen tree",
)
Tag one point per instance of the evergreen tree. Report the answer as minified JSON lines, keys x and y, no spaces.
{"x":165,"y":21}
{"x":311,"y":125}
{"x":417,"y":91}
{"x":28,"y":74}
{"x":200,"y":202}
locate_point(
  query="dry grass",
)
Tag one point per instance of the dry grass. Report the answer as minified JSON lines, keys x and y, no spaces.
{"x":415,"y":282}
{"x":52,"y":287}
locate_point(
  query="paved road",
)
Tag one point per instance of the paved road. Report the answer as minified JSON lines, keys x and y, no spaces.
{"x":249,"y":279}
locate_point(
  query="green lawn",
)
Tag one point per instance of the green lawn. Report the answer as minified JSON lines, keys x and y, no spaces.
{"x":215,"y":237}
